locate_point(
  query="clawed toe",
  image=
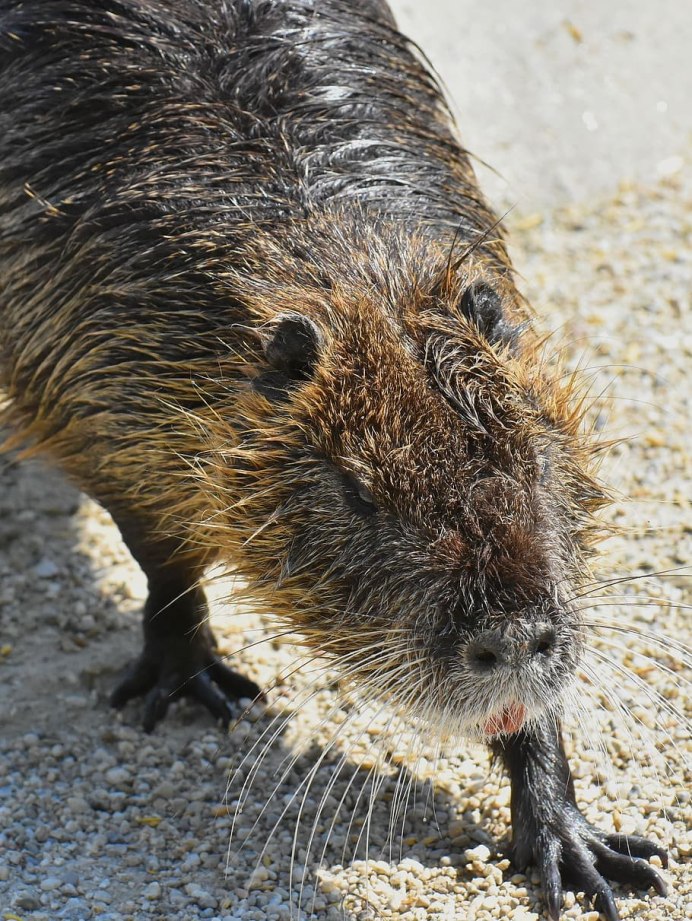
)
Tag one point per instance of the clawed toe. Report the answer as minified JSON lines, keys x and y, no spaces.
{"x":578,"y":867}
{"x":160,"y":680}
{"x":156,"y":706}
{"x":589,"y":860}
{"x":635,"y":846}
{"x":604,"y":902}
{"x":232,"y":684}
{"x":631,"y":870}
{"x":137,"y":681}
{"x":552,"y":883}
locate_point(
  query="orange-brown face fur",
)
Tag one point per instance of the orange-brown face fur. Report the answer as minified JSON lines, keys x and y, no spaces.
{"x":413,"y":485}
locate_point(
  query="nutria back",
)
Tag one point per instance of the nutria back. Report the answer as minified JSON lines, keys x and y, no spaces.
{"x":146,"y":146}
{"x":202,"y":104}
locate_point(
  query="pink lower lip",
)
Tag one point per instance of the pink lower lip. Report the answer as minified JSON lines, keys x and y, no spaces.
{"x":510,"y":719}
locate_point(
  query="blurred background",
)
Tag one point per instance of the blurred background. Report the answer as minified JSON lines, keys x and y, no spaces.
{"x":563,"y":99}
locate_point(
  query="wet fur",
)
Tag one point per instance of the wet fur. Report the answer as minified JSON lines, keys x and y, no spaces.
{"x":246,"y":277}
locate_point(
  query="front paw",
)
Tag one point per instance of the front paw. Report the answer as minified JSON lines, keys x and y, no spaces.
{"x":568,"y":850}
{"x":169,"y":668}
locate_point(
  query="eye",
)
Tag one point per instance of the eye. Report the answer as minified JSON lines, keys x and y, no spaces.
{"x":358,"y":497}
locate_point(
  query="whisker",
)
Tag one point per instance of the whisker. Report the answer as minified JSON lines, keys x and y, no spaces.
{"x":622,"y":580}
{"x":619,"y":711}
{"x":285,"y":773}
{"x":665,"y":642}
{"x":672,"y":711}
{"x":678,"y":678}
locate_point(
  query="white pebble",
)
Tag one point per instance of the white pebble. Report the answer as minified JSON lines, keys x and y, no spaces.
{"x":50,"y":883}
{"x":152,"y":891}
{"x":480,"y":852}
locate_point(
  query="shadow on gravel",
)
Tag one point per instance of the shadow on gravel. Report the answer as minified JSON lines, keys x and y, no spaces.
{"x":83,"y":788}
{"x":321,"y":811}
{"x":63,"y":636}
{"x":70,"y":605}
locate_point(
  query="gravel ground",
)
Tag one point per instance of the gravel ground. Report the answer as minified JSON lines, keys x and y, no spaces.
{"x":100,"y":821}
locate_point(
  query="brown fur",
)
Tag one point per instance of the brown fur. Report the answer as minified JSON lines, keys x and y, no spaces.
{"x":253,"y":303}
{"x":442,"y":426}
{"x":142,"y":282}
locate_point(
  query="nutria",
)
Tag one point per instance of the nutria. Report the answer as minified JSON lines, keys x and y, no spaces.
{"x":254,"y":303}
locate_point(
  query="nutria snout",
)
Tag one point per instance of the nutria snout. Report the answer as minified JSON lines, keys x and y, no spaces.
{"x":492,"y":650}
{"x":524,"y":662}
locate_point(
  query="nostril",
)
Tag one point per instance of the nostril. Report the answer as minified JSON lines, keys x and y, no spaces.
{"x":485,"y":651}
{"x":485,"y":657}
{"x":544,"y":642}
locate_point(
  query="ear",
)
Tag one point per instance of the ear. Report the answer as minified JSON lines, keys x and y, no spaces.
{"x":481,"y":305}
{"x":293,"y":346}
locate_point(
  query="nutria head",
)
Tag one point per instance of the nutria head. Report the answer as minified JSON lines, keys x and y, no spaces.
{"x":411,"y":493}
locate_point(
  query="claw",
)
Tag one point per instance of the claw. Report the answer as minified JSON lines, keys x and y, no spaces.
{"x":202,"y":689}
{"x":155,"y":707}
{"x":160,"y":679}
{"x":138,"y":680}
{"x":604,"y":901}
{"x":553,"y":895}
{"x":659,"y":884}
{"x":551,"y":877}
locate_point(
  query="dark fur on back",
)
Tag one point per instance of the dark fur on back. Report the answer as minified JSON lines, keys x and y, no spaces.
{"x":195,"y":103}
{"x":146,"y":147}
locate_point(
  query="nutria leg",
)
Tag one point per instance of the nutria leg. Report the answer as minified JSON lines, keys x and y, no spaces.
{"x":549,"y":830}
{"x":179,"y":658}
